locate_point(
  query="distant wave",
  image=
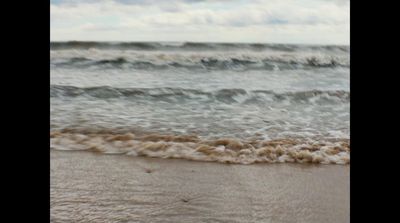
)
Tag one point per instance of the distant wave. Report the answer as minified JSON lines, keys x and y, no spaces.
{"x":207,"y":63}
{"x":223,"y":95}
{"x":191,"y":46}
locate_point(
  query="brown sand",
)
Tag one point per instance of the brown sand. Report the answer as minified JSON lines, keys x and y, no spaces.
{"x":90,"y":187}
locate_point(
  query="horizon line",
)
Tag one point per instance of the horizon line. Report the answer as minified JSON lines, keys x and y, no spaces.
{"x":164,"y":41}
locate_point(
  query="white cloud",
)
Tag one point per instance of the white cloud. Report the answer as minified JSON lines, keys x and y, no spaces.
{"x":289,"y":21}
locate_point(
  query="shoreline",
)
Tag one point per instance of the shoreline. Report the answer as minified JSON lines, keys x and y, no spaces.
{"x":223,"y":150}
{"x":86,"y":186}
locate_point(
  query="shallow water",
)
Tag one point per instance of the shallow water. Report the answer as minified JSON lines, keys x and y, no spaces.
{"x":246,"y":94}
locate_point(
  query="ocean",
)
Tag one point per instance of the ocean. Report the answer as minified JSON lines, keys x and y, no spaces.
{"x":220,"y":102}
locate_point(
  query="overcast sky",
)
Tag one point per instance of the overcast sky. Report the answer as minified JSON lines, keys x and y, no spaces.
{"x":264,"y":21}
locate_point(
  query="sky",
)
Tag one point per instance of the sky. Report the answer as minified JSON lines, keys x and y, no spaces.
{"x":255,"y":21}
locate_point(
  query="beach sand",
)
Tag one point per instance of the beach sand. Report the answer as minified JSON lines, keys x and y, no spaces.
{"x":90,"y":187}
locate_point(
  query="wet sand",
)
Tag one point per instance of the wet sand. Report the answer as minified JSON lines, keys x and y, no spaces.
{"x":90,"y":187}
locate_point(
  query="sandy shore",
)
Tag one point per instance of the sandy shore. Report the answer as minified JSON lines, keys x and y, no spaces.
{"x":89,"y":187}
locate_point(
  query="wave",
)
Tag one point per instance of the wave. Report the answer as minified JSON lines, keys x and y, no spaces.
{"x":191,"y":147}
{"x":103,"y":45}
{"x":206,"y":63}
{"x":222,"y":95}
{"x":192,"y":46}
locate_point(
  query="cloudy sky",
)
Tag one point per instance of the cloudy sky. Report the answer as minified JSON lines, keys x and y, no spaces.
{"x":263,"y":21}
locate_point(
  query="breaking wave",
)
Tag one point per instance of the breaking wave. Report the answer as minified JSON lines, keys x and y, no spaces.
{"x":207,"y":63}
{"x":191,"y":147}
{"x":222,"y":95}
